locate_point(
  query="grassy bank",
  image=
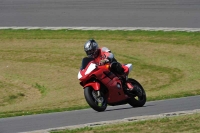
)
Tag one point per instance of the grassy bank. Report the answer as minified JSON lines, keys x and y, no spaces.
{"x":39,"y":67}
{"x":185,"y":124}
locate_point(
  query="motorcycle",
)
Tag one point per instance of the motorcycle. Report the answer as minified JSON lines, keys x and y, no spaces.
{"x":102,"y":87}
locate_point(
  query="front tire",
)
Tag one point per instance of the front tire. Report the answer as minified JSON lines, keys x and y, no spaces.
{"x":97,"y":103}
{"x":135,"y":99}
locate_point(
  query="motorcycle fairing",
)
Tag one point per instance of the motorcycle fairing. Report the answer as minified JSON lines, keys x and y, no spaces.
{"x":127,"y":68}
{"x":115,"y":93}
{"x":91,"y":67}
{"x":87,"y":70}
{"x":111,"y":81}
{"x":130,"y":67}
{"x":102,"y":74}
{"x":79,"y":75}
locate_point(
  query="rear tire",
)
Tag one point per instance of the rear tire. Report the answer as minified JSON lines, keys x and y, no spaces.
{"x":97,"y":103}
{"x":137,"y":100}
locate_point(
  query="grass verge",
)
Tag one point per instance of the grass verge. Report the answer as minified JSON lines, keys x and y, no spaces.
{"x":177,"y":124}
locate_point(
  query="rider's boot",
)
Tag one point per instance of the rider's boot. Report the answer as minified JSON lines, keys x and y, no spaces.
{"x":125,"y":82}
{"x":129,"y":86}
{"x":134,"y":89}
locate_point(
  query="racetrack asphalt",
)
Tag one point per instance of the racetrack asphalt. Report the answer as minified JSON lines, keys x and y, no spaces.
{"x":68,"y":118}
{"x":101,"y":13}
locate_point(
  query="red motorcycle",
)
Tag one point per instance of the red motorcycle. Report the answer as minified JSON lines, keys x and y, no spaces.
{"x":102,"y":87}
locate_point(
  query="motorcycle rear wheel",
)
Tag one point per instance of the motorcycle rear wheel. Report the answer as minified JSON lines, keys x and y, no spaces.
{"x":135,"y":100}
{"x":97,"y":103}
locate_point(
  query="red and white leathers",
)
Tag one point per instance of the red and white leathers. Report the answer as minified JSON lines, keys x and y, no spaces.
{"x":122,"y":71}
{"x":103,"y":54}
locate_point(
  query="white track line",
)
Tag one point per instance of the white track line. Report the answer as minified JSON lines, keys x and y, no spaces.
{"x":131,"y":119}
{"x":107,"y":28}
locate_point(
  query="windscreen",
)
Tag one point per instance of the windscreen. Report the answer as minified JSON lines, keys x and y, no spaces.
{"x":85,"y":62}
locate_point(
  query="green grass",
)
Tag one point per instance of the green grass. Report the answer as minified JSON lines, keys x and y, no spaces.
{"x":39,"y":67}
{"x":186,"y":124}
{"x":41,"y":88}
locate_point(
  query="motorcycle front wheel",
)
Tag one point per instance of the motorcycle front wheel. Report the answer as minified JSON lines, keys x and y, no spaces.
{"x":98,"y":103}
{"x":137,"y":100}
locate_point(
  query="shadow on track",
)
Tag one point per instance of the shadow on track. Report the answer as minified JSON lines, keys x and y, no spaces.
{"x":127,"y":108}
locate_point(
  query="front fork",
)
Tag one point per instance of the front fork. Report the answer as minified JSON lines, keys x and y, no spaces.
{"x":97,"y":95}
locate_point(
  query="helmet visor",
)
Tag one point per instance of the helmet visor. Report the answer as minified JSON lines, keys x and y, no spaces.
{"x":90,"y":52}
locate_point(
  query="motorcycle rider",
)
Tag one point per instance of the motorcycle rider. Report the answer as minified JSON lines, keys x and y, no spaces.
{"x":104,"y":55}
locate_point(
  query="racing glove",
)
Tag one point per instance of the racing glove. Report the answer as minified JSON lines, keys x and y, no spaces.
{"x":102,"y":62}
